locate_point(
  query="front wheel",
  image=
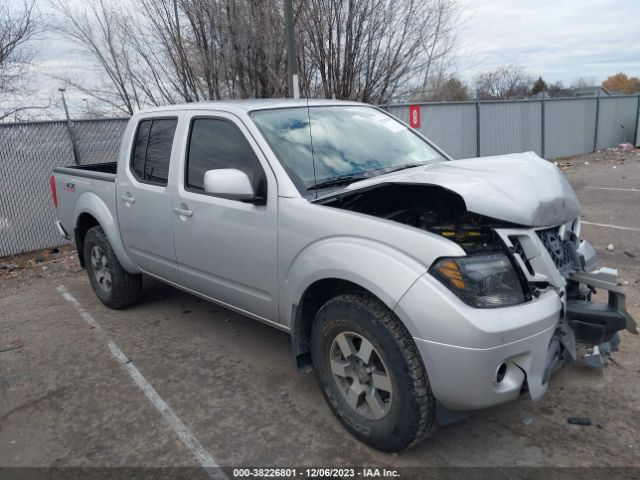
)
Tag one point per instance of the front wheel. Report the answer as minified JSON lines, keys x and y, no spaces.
{"x":114,"y":286}
{"x":371,"y":374}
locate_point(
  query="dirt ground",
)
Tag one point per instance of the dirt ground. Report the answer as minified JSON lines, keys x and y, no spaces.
{"x":65,"y":400}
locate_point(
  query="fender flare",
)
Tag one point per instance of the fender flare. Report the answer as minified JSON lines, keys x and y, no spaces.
{"x":382,"y":270}
{"x":93,"y":205}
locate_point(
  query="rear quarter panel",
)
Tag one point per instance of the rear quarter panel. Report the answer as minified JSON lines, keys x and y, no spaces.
{"x":78,"y":195}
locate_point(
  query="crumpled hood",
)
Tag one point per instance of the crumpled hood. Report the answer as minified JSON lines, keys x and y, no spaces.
{"x":520,"y":188}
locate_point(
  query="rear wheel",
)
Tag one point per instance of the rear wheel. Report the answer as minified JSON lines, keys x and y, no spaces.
{"x":371,"y":374}
{"x":113,"y":285}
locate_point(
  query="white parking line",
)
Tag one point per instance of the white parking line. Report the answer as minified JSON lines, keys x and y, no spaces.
{"x":616,"y":189}
{"x":205,"y":460}
{"x":631,"y":229}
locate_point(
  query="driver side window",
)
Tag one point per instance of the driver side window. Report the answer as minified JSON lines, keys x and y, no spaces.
{"x":215,"y":144}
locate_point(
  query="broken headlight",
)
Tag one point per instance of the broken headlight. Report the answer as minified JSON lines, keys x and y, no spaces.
{"x":482,"y":281}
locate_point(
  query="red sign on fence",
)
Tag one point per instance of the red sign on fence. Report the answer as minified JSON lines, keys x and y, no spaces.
{"x":414,"y":116}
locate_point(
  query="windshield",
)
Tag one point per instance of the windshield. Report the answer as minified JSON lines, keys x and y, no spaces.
{"x":318,"y":146}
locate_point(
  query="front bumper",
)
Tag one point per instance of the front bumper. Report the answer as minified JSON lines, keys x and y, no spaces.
{"x":463,"y":348}
{"x":466,"y":378}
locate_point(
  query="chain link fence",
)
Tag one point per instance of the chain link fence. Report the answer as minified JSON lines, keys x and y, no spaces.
{"x":28,"y":154}
{"x":552,"y":128}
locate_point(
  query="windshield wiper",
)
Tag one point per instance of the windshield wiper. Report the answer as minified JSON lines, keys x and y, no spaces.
{"x":336,"y":182}
{"x":404,"y":167}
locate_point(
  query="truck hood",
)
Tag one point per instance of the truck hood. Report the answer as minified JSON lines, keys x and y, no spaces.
{"x":519,"y":188}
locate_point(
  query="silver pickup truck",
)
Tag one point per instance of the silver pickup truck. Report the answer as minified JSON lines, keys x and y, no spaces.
{"x":417,"y":287}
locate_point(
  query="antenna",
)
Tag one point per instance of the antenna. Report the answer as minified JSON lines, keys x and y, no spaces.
{"x":313,"y":157}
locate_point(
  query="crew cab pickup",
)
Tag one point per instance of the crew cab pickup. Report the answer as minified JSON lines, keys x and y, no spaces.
{"x":416,"y":286}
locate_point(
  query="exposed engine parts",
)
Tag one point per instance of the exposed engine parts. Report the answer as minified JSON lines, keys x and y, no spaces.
{"x":431,"y":208}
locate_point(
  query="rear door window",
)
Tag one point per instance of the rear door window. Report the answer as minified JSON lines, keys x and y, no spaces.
{"x":152,"y":150}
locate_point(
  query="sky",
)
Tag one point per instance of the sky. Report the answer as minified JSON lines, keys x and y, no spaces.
{"x":558,"y":40}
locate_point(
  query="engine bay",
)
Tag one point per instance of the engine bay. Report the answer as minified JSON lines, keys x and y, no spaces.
{"x":428,"y":207}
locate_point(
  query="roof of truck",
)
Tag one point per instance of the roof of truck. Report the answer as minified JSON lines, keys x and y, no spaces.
{"x":252,"y":104}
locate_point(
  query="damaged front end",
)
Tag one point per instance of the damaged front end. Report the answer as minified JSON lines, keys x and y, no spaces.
{"x":544,"y":258}
{"x":558,"y":258}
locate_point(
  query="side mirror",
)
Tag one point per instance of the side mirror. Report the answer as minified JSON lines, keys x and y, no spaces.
{"x":229,"y":183}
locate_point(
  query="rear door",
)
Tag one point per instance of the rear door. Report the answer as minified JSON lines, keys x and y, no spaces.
{"x":226,"y":249}
{"x":144,"y":204}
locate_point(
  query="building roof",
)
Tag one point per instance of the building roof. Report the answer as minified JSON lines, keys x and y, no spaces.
{"x":590,"y":92}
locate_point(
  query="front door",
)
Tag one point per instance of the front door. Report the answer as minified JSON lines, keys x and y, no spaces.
{"x":227,"y":249}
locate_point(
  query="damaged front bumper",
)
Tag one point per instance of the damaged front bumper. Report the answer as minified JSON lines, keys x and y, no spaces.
{"x":594,"y":322}
{"x":477,"y":358}
{"x":591,"y":323}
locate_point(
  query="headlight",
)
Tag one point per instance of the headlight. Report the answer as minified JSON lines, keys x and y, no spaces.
{"x":483,"y":281}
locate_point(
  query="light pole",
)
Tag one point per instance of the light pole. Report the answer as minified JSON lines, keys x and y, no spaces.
{"x":72,"y":135}
{"x":294,"y":86}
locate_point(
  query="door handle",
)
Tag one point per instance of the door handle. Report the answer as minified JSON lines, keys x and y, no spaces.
{"x":128,"y":198}
{"x":183,"y":212}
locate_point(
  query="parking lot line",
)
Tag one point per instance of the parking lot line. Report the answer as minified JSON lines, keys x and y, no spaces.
{"x":616,"y":189}
{"x":606,"y":225}
{"x":204,"y":459}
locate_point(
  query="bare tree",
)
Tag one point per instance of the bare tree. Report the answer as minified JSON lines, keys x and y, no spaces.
{"x":18,"y":27}
{"x":371,"y":50}
{"x":101,"y":30}
{"x":558,"y":90}
{"x":583,"y":82}
{"x":193,"y":50}
{"x":440,"y":40}
{"x":504,"y":83}
{"x":444,"y":86}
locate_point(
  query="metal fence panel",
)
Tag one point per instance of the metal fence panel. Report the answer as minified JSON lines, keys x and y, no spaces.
{"x":28,"y":154}
{"x":451,"y":126}
{"x":569,"y":127}
{"x":616,"y":121}
{"x":508,"y":127}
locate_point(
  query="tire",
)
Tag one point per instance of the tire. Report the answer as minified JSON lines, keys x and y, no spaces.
{"x":389,"y":421}
{"x":114,"y":286}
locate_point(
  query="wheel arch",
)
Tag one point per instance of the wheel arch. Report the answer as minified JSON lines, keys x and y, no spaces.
{"x":321,"y":272}
{"x":92,"y":211}
{"x":303,"y":314}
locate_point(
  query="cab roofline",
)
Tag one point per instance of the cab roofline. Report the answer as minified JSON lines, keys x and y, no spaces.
{"x":250,"y":105}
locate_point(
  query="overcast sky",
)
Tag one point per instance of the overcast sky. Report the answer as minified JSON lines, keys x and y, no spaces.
{"x":559,"y":40}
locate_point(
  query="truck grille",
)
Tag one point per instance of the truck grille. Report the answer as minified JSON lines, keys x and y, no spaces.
{"x":560,"y":250}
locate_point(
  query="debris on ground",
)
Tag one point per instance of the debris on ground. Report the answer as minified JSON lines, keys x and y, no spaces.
{"x":10,"y":267}
{"x":526,"y":420}
{"x":15,"y":344}
{"x":42,"y":263}
{"x":629,"y":254}
{"x":625,"y":147}
{"x":610,"y":247}
{"x":579,"y":421}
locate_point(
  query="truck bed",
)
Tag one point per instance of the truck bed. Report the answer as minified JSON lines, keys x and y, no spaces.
{"x":95,"y":171}
{"x":77,"y":188}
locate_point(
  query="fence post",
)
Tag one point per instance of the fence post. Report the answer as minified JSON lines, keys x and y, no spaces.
{"x":542,"y":115}
{"x":635,"y":135}
{"x":70,"y":130}
{"x":477,"y":127}
{"x":595,"y":133}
